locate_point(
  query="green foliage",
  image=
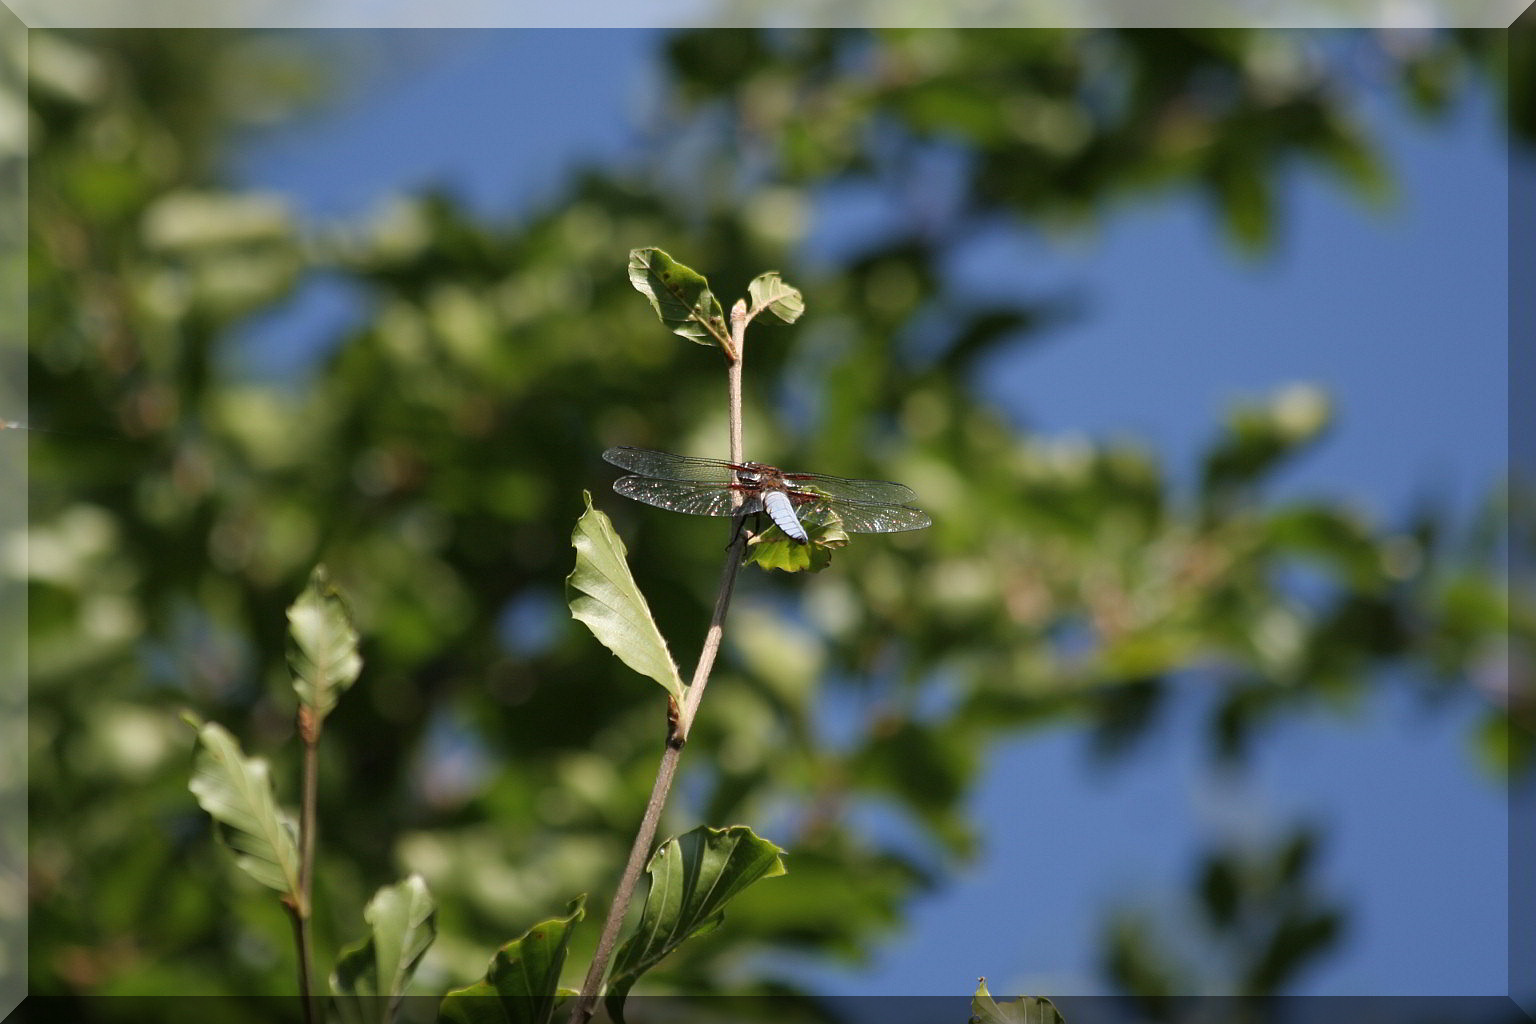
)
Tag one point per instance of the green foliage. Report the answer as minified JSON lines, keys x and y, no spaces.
{"x":680,"y":296}
{"x":1089,"y":118}
{"x":429,"y":452}
{"x":1023,"y":1010}
{"x":1261,"y":920}
{"x":609,"y":601}
{"x":773,"y":549}
{"x":371,"y":977}
{"x":693,"y":877}
{"x":324,"y":656}
{"x":769,"y":293}
{"x":237,"y":792}
{"x":1259,"y":437}
{"x":521,"y":986}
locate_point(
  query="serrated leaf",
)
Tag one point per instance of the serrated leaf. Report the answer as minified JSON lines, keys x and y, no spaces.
{"x":693,"y":877}
{"x":1023,"y":1010}
{"x":521,"y":986}
{"x":237,"y":792}
{"x":610,"y":603}
{"x":371,"y":976}
{"x":680,"y":295}
{"x":323,"y":655}
{"x":770,"y":293}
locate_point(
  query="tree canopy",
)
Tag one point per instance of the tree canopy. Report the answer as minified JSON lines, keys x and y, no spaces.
{"x":435,"y":458}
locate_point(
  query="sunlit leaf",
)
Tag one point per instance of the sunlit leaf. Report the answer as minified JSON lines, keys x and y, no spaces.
{"x":323,"y":655}
{"x":774,"y":549}
{"x":693,"y":877}
{"x":1261,"y":435}
{"x":770,"y":293}
{"x":521,"y":986}
{"x":237,"y":792}
{"x":610,"y":603}
{"x":1023,"y":1010}
{"x":371,"y":976}
{"x":680,"y":296}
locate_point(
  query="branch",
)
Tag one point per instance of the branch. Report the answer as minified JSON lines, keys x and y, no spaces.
{"x":680,"y":719}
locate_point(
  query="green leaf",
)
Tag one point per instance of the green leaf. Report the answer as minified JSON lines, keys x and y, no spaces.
{"x":323,"y":655}
{"x":1023,"y":1010}
{"x":371,"y":976}
{"x":237,"y":792}
{"x":521,"y":986}
{"x":610,"y":603}
{"x":774,"y":549}
{"x":1261,"y":435}
{"x":680,"y":296}
{"x":770,"y":293}
{"x":693,"y":877}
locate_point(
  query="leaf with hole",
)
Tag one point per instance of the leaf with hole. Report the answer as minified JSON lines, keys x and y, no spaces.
{"x":680,"y":295}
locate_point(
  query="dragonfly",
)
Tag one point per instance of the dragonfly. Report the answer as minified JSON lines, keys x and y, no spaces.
{"x":713,"y":487}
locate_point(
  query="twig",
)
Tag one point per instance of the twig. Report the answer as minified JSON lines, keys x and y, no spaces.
{"x":309,"y":732}
{"x":680,"y":719}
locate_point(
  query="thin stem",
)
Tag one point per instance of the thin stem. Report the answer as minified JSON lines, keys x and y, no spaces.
{"x":666,"y":771}
{"x":301,"y":942}
{"x":309,"y":731}
{"x":681,"y":718}
{"x":733,"y":381}
{"x":638,"y":851}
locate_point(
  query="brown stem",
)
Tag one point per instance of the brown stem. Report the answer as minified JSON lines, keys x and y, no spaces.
{"x":638,"y":852}
{"x":309,"y":732}
{"x":680,"y":719}
{"x":733,"y":382}
{"x":301,"y":941}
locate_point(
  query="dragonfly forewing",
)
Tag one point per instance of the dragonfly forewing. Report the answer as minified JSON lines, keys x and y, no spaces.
{"x":669,"y":466}
{"x":693,"y":497}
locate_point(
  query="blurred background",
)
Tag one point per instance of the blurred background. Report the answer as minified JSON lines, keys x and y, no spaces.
{"x":1192,"y":342}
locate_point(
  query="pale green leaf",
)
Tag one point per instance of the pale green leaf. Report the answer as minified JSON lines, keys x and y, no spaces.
{"x":323,"y":655}
{"x":1023,"y":1010}
{"x":770,"y":293}
{"x":521,"y":986}
{"x":610,"y":603}
{"x":371,"y":976}
{"x":693,"y":877}
{"x":680,"y":296}
{"x":237,"y":792}
{"x":774,"y":549}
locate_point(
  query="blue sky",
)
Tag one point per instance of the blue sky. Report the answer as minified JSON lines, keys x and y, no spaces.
{"x":1399,"y":313}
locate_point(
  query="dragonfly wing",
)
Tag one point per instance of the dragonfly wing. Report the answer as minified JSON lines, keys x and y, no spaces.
{"x":868,"y":492}
{"x":669,"y":466}
{"x":692,"y":497}
{"x":864,"y":517}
